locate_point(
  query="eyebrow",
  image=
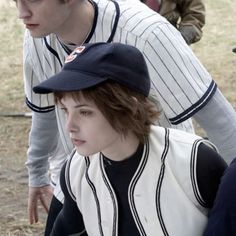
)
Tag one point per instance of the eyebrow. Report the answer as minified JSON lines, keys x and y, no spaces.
{"x":81,"y":105}
{"x":76,"y":106}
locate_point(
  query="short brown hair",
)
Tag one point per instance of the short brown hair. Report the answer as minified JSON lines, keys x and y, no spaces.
{"x":125,"y":109}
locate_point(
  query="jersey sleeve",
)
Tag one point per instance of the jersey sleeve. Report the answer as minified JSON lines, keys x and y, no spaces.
{"x":178,"y":80}
{"x":36,"y":68}
{"x":43,"y":139}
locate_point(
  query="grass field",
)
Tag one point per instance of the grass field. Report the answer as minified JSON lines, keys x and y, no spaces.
{"x":13,"y":131}
{"x":214,"y":50}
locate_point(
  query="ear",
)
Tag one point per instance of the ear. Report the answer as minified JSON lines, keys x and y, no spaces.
{"x":135,"y":99}
{"x":135,"y":107}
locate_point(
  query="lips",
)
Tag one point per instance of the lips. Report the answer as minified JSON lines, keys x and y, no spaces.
{"x":77,"y":142}
{"x":31,"y":26}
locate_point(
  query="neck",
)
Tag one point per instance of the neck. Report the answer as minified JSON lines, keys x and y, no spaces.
{"x":79,"y":24}
{"x":124,"y":148}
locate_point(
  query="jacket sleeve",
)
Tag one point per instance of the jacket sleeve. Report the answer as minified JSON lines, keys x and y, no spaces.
{"x":223,"y":214}
{"x":192,"y":14}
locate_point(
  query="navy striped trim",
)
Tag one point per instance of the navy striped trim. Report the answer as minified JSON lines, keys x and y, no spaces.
{"x":95,"y":195}
{"x":132,"y":187}
{"x":38,"y":109}
{"x":67,"y":176}
{"x":52,"y":51}
{"x":94,"y":21}
{"x":159,"y":183}
{"x":193,"y":173}
{"x":68,"y":50}
{"x":109,"y":187}
{"x":115,"y":23}
{"x":195,"y":107}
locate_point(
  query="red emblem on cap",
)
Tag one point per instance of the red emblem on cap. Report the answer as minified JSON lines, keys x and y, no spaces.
{"x":73,"y":55}
{"x":79,"y":49}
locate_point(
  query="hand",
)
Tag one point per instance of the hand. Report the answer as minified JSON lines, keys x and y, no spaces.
{"x":188,"y":33}
{"x":44,"y":195}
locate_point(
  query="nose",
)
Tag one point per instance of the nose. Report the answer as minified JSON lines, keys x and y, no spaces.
{"x":72,"y":125}
{"x":23,"y":10}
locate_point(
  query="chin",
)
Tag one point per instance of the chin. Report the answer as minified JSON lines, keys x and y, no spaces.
{"x":85,"y":152}
{"x":38,"y":34}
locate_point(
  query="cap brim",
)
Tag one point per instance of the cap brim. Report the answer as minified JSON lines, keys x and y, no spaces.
{"x":68,"y":81}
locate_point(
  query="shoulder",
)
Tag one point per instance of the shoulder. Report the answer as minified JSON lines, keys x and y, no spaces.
{"x":181,"y":147}
{"x":185,"y":138}
{"x":176,"y":136}
{"x":210,"y":168}
{"x":138,"y":19}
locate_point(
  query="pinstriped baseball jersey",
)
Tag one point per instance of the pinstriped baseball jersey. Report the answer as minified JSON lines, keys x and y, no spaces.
{"x":179,"y":81}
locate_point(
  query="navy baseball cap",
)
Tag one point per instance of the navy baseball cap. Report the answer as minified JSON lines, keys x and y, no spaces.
{"x":92,"y":64}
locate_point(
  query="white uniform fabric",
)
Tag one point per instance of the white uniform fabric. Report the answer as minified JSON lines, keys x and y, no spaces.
{"x":179,"y":81}
{"x":165,"y":179}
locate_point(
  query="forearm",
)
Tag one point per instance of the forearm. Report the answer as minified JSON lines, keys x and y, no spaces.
{"x":218,"y":119}
{"x":43,"y":140}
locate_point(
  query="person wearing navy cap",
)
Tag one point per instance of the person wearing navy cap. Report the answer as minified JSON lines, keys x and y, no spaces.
{"x":126,"y":176}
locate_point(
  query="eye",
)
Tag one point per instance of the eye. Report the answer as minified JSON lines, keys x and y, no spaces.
{"x":85,"y":112}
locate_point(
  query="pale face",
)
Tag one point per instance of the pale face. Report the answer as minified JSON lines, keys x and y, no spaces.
{"x":42,"y":17}
{"x":89,"y":130}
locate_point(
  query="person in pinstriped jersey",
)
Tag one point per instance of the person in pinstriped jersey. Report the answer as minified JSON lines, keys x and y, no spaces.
{"x":182,"y":86}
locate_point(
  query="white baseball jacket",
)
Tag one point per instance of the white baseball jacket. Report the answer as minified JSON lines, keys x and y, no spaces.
{"x":163,"y":194}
